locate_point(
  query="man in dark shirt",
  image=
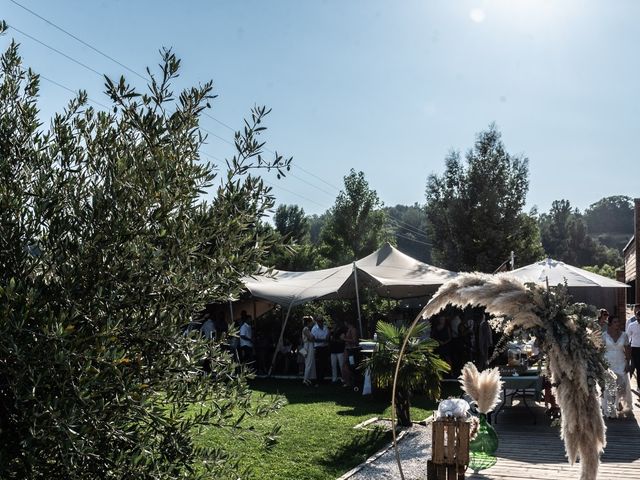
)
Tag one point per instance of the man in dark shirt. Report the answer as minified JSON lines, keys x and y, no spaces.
{"x":336,"y":349}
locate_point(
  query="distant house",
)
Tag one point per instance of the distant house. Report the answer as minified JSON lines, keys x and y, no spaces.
{"x":631,"y":264}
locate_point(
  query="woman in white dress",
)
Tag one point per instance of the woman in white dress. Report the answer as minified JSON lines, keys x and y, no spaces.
{"x":309,"y":356}
{"x":617,"y":399}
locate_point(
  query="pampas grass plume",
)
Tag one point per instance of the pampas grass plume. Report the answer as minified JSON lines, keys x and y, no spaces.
{"x":469,"y":380}
{"x":490,"y":387}
{"x":483,"y":387}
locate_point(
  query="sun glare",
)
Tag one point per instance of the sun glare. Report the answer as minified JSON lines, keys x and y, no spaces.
{"x":477,"y":15}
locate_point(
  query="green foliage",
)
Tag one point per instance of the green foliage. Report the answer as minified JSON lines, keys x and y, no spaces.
{"x":565,"y":238}
{"x":475,"y":209}
{"x":355,"y":225}
{"x":604,"y":270}
{"x":410,"y":226}
{"x":611,"y":215}
{"x":420,"y":368}
{"x":105,"y":250}
{"x":291,"y":223}
{"x":316,"y":224}
{"x":317,"y":441}
{"x":292,"y":249}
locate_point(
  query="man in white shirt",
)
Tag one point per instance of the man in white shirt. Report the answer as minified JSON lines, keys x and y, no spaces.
{"x":634,"y":363}
{"x":320,"y":334}
{"x":636,"y":311}
{"x":633,"y":332}
{"x":246,"y":338}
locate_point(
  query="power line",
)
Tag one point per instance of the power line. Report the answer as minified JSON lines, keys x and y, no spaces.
{"x":217,"y":136}
{"x":57,"y":51}
{"x":293,"y":193}
{"x":414,"y":240}
{"x":75,"y":92}
{"x":78,"y":39}
{"x":109,"y":57}
{"x":141,"y":76}
{"x":407,"y":226}
{"x":100,"y":52}
{"x":309,"y":183}
{"x":316,"y":176}
{"x":274,"y":153}
{"x":213,"y":157}
{"x":219,"y":121}
{"x":409,"y":229}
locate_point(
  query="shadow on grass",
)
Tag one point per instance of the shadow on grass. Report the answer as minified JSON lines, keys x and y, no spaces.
{"x":352,"y":403}
{"x":356,"y":451}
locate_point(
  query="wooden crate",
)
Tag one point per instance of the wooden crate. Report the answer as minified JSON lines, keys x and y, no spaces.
{"x":449,"y":450}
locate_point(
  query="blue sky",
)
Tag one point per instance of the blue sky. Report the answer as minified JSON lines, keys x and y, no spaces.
{"x":385,"y":87}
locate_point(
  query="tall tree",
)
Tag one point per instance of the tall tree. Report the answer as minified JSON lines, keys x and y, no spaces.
{"x":610,"y":215}
{"x":565,"y":237}
{"x":316,"y":224}
{"x":610,"y":221}
{"x":105,"y":251}
{"x":355,"y":226}
{"x":410,"y":227}
{"x":475,"y":208}
{"x":291,"y":222}
{"x":293,"y":249}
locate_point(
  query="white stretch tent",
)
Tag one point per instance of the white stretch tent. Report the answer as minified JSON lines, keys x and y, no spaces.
{"x":295,"y":288}
{"x":583,"y":286}
{"x":397,"y":275}
{"x":392,"y":273}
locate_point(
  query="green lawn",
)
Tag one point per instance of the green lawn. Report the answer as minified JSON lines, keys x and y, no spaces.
{"x":317,"y":440}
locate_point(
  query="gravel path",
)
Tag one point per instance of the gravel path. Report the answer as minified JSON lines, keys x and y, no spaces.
{"x":415,"y":450}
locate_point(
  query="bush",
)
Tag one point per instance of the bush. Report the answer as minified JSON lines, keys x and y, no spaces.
{"x":105,"y":250}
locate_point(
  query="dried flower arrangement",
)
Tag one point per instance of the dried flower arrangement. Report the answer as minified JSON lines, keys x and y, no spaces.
{"x":483,"y":387}
{"x":566,"y":334}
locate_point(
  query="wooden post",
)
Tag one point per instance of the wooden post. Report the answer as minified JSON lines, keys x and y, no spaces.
{"x":637,"y":243}
{"x":621,"y":298}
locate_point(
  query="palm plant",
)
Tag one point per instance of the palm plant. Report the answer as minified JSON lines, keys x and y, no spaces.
{"x":421,"y":369}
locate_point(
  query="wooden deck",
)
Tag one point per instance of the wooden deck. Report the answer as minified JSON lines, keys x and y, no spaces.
{"x":531,"y":452}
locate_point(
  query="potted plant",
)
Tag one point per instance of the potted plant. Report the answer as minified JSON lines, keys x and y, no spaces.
{"x":421,"y":369}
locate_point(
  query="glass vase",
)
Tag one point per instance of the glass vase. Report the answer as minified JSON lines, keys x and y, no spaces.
{"x":484,"y":446}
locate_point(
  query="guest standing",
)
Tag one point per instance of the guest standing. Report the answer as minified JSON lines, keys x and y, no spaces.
{"x":441,"y":332}
{"x":246,"y":338}
{"x":320,"y":334}
{"x":350,"y":346}
{"x":633,"y":332}
{"x":309,"y":352}
{"x":617,"y":394}
{"x":483,"y":340}
{"x":603,"y":319}
{"x":336,"y":348}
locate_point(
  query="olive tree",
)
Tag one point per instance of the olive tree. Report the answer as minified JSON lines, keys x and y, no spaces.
{"x":106,"y":248}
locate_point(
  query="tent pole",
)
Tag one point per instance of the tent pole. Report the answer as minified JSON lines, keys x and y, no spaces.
{"x":279,"y":344}
{"x":355,"y":278}
{"x":231,"y":311}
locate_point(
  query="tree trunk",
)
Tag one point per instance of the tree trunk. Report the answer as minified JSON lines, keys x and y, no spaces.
{"x":403,"y":408}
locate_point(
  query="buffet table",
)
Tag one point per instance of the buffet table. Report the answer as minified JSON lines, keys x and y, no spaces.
{"x":520,"y":386}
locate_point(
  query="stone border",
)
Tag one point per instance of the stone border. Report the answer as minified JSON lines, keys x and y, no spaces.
{"x":381,"y":452}
{"x":371,"y":420}
{"x":372,"y":458}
